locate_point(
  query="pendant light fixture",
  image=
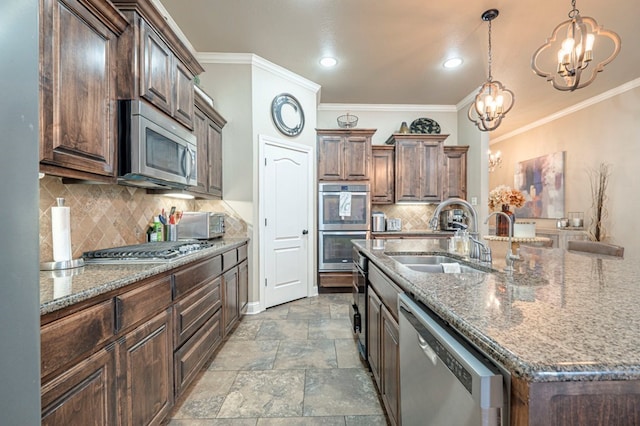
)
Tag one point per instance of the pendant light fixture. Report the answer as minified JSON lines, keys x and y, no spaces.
{"x":493,"y":100}
{"x":571,"y":58}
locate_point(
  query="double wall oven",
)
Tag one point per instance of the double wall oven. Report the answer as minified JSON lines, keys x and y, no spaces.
{"x":343,"y":215}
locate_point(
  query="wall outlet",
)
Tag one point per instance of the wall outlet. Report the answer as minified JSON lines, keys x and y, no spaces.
{"x":474,"y":201}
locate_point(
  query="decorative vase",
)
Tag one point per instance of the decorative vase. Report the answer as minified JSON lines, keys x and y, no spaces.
{"x":502,"y":223}
{"x":404,"y":128}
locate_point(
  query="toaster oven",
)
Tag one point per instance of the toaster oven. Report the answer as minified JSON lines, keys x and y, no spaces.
{"x":201,"y":225}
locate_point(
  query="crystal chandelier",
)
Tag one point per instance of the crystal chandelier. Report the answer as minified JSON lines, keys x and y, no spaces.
{"x":575,"y":53}
{"x":493,"y":100}
{"x":495,"y":160}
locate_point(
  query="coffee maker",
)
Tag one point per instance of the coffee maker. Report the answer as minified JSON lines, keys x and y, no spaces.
{"x":453,"y":219}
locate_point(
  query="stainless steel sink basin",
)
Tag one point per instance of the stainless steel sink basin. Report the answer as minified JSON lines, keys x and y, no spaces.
{"x":432,"y":263}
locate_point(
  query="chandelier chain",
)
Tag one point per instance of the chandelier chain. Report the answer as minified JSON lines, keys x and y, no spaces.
{"x":573,"y":12}
{"x":490,"y":76}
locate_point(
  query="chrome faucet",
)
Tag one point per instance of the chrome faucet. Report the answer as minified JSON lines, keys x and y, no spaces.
{"x":510,"y":256}
{"x":478,"y":250}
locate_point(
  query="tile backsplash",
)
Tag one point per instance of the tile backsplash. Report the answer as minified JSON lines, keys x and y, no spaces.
{"x":105,"y":216}
{"x":415,"y":217}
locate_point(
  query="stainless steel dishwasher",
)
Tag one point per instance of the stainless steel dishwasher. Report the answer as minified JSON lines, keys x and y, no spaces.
{"x":444,"y":381}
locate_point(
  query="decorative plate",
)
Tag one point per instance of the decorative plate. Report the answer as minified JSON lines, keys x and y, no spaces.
{"x":425,"y":125}
{"x":287,"y":114}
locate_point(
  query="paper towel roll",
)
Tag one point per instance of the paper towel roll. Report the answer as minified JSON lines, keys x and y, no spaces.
{"x":61,"y":233}
{"x":62,"y":286}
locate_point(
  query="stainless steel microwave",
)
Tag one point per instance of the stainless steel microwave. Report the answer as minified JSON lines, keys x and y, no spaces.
{"x":154,"y":150}
{"x":201,"y":225}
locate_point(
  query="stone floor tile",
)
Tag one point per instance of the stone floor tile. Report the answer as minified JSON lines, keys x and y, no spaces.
{"x":309,"y":312}
{"x":301,"y":354}
{"x":206,"y":397}
{"x":303,"y":421}
{"x":275,"y":312}
{"x":246,"y":330}
{"x":366,"y":420}
{"x":265,"y":394}
{"x":339,"y":311}
{"x":347,"y":354}
{"x":344,"y":391}
{"x":283,"y":330}
{"x":213,"y":422}
{"x":245,"y":355}
{"x":330,"y":329}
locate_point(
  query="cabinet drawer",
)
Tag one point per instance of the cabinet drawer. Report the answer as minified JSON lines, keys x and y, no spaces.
{"x":143,"y":302}
{"x":196,"y":351}
{"x":65,"y":339}
{"x":192,"y":311}
{"x":242,"y":253}
{"x":229,"y":259}
{"x":196,"y":275}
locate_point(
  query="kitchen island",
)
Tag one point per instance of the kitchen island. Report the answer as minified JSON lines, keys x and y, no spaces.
{"x":566,"y":326}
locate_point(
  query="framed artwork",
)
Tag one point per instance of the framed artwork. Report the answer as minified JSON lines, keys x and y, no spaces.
{"x":541,"y":181}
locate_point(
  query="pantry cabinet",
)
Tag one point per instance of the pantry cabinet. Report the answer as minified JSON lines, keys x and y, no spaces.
{"x":78,"y":63}
{"x":419,"y":165}
{"x":208,"y":124}
{"x":383,"y":174}
{"x":126,"y":356}
{"x":344,"y":154}
{"x":154,"y":63}
{"x":455,"y":172}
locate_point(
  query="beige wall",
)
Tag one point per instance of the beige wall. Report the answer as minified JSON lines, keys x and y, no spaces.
{"x":607,"y":131}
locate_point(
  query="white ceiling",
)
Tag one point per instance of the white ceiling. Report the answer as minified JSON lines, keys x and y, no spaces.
{"x":391,"y":52}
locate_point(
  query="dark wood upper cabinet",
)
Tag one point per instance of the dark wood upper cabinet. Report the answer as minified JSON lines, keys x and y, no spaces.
{"x":344,"y":154}
{"x":208,"y":124}
{"x":78,"y":60}
{"x":154,"y":63}
{"x":419,"y":164}
{"x":455,"y":176}
{"x":383,"y":174}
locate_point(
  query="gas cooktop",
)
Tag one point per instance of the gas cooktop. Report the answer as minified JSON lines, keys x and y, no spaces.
{"x":155,"y":252}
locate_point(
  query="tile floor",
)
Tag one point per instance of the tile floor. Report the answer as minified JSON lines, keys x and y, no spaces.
{"x":294,"y":364}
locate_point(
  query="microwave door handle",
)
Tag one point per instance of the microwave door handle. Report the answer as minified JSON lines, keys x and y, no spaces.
{"x":187,"y":166}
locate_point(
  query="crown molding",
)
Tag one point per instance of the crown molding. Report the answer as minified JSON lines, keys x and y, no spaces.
{"x":387,"y":107}
{"x":258,"y":62}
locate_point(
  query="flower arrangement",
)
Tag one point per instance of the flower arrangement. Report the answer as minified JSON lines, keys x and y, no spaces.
{"x":503,"y":194}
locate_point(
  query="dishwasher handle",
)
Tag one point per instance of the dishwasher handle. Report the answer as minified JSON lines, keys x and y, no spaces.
{"x":430,"y":353}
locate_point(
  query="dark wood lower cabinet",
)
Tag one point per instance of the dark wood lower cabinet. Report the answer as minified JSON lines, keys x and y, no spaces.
{"x":373,"y":332}
{"x":145,"y":389}
{"x":125,"y":357}
{"x":83,"y":395}
{"x":390,"y":366}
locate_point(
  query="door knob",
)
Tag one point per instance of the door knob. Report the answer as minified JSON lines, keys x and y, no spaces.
{"x":305,"y":232}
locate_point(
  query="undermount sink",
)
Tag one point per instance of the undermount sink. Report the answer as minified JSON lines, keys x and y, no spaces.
{"x":432,"y":263}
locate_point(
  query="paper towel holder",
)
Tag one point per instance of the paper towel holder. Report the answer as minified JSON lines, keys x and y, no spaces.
{"x":65,"y":264}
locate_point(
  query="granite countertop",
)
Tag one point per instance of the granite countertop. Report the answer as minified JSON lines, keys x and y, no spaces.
{"x":560,"y":316}
{"x":414,"y":232}
{"x":59,"y":289}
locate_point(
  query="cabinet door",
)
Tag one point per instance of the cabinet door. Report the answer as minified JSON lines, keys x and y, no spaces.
{"x":157,"y":70}
{"x":200,"y":128}
{"x":455,"y":164}
{"x":357,"y":154}
{"x":78,"y":92}
{"x":215,"y":160}
{"x":373,"y":334}
{"x":431,"y":171}
{"x":230,"y":311}
{"x":243,"y":284}
{"x":382,"y":175}
{"x":330,"y":157}
{"x":390,"y":366}
{"x":183,"y":97}
{"x":145,"y":367}
{"x":408,"y":164}
{"x":83,"y":395}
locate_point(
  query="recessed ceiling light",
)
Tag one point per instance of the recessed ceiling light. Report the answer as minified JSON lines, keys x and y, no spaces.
{"x":328,"y":62}
{"x":452,"y":63}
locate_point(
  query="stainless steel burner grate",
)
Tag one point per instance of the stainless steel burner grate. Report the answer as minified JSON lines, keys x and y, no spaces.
{"x":154,"y":252}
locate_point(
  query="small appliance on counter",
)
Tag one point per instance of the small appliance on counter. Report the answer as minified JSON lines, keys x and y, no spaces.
{"x":377,"y":222}
{"x":201,"y":226}
{"x":453,"y":219}
{"x":394,"y":224}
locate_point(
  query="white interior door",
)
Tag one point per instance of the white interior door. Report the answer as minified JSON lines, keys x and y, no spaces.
{"x":287,"y":197}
